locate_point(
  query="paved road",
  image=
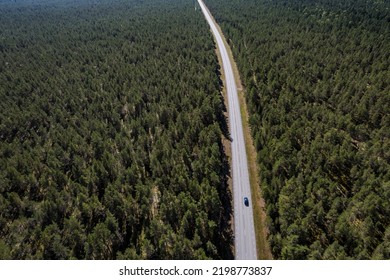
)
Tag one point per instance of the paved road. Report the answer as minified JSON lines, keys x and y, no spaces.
{"x":245,"y":241}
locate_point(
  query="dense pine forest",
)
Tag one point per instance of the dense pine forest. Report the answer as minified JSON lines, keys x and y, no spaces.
{"x":111,"y":127}
{"x":317,"y":78}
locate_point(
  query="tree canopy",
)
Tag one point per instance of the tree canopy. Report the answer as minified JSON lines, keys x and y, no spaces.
{"x":316,"y":74}
{"x":111,"y":127}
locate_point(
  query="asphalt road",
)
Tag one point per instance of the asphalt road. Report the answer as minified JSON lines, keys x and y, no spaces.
{"x":245,"y":241}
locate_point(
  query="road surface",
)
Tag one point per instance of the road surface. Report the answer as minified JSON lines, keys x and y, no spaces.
{"x":244,"y":233}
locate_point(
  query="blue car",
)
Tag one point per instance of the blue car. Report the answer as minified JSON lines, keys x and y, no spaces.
{"x":246,"y":201}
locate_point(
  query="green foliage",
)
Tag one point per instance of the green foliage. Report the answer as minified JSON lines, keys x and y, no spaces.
{"x":110,"y":132}
{"x":317,"y":77}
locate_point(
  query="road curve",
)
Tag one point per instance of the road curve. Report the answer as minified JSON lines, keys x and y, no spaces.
{"x":244,"y":239}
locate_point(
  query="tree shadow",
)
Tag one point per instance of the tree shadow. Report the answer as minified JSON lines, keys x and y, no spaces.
{"x":222,"y":114}
{"x":226,"y":240}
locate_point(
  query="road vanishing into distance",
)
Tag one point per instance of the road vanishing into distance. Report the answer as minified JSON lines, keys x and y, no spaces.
{"x":244,"y":230}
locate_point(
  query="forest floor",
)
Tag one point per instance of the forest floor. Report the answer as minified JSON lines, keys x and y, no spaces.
{"x":261,"y":229}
